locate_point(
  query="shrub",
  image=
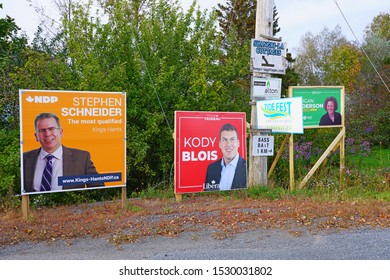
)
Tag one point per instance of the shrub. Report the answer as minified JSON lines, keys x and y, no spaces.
{"x":9,"y":165}
{"x":381,"y":133}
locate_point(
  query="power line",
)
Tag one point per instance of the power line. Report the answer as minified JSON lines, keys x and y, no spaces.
{"x":151,"y":81}
{"x":372,"y":64}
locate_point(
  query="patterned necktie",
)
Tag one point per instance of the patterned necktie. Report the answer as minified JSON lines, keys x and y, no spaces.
{"x":47,"y":174}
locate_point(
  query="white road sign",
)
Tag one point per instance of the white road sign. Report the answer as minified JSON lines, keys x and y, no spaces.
{"x":281,"y":115}
{"x":263,"y":146}
{"x":268,"y":57}
{"x":265,"y":88}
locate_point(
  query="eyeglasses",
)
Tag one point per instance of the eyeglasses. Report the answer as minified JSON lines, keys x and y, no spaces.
{"x":50,"y":129}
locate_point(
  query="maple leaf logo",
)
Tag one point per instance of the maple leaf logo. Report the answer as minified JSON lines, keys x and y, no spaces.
{"x":29,"y":99}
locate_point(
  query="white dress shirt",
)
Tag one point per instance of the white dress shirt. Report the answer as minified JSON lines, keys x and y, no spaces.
{"x":227,"y":174}
{"x":57,"y":169}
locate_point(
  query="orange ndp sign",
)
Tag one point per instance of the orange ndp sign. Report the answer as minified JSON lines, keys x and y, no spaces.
{"x":83,"y":132}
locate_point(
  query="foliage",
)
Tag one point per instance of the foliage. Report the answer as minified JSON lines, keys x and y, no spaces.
{"x":309,"y":147}
{"x":291,"y":77}
{"x":44,"y":72}
{"x":314,"y":54}
{"x":240,"y":16}
{"x":266,"y":192}
{"x":366,"y":159}
{"x":237,"y":20}
{"x":73,"y":197}
{"x":12,"y":46}
{"x":9,"y":165}
{"x":381,"y":132}
{"x":368,"y":102}
{"x":11,"y":56}
{"x":343,"y":66}
{"x":167,"y":60}
{"x":153,"y":192}
{"x":275,"y":26}
{"x":329,"y":59}
{"x":380,"y":25}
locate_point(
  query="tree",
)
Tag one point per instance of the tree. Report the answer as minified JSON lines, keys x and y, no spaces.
{"x":238,"y":16}
{"x":314,"y":53}
{"x":12,"y":46}
{"x":237,"y":21}
{"x":377,"y":48}
{"x":164,"y":59}
{"x":275,"y":26}
{"x":343,"y":66}
{"x":380,"y":26}
{"x":369,"y":103}
{"x":43,"y":71}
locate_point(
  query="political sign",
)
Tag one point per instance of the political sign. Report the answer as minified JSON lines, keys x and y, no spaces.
{"x":72,"y":140}
{"x":322,"y":106}
{"x":207,"y":146}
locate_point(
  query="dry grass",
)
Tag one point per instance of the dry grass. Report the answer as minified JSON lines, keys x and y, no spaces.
{"x":225,"y":216}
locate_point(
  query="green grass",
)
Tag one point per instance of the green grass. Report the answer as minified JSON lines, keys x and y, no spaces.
{"x":378,"y":158}
{"x":364,"y":178}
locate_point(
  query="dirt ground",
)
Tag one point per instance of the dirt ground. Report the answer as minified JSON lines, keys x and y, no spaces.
{"x":222,"y":216}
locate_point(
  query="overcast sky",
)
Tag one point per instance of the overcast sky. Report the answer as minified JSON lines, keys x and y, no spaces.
{"x":296,"y":17}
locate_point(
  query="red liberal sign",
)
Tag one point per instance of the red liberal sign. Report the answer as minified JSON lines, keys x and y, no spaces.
{"x":210,"y":151}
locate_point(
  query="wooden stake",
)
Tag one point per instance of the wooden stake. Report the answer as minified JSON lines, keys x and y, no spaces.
{"x":342,"y":159}
{"x":25,"y":206}
{"x":323,"y":157}
{"x":291,"y":162}
{"x":124,"y":197}
{"x":278,"y":155}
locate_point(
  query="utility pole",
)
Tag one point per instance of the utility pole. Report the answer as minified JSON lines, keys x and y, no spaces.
{"x":264,"y":26}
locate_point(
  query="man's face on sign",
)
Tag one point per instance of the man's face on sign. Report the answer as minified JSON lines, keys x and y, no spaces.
{"x":229,"y":144}
{"x":49,"y":134}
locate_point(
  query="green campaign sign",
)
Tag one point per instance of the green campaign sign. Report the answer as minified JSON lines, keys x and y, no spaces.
{"x":321,"y":106}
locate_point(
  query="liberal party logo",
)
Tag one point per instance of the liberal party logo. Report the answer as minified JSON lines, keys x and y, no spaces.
{"x":42,"y":99}
{"x":212,"y":186}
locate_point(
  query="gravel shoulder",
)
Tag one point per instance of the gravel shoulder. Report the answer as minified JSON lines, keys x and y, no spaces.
{"x":266,"y":244}
{"x":200,"y":227}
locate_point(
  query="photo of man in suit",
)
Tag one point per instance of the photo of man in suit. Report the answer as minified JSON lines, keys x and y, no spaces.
{"x":229,"y":172}
{"x":43,"y":166}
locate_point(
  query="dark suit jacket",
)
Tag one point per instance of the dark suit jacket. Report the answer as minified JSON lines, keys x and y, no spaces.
{"x":75,"y":162}
{"x":214,"y":175}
